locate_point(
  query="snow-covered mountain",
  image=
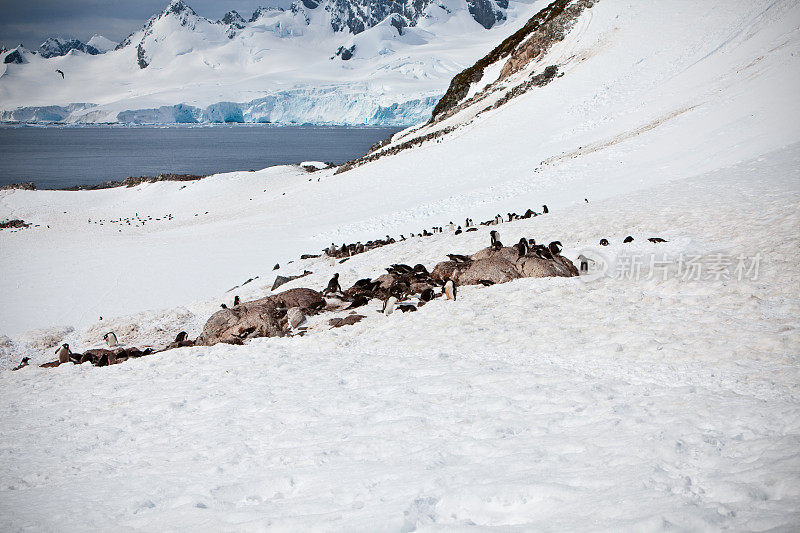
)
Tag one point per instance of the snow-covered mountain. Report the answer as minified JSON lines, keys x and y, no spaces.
{"x":386,"y":55}
{"x":101,"y":43}
{"x":55,"y":47}
{"x":658,"y":394}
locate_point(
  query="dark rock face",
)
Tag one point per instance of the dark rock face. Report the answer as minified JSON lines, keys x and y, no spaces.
{"x":25,"y":186}
{"x":261,"y":11}
{"x":141,"y":56}
{"x":54,"y":47}
{"x":346,"y":53}
{"x":15,"y":58}
{"x":487,"y":13}
{"x":548,"y":26}
{"x":234,"y":21}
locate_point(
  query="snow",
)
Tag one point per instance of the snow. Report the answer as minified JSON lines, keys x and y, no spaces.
{"x":282,"y":57}
{"x":101,"y":43}
{"x":596,"y":403}
{"x":539,"y":403}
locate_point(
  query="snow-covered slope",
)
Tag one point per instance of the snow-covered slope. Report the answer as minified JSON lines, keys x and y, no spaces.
{"x":397,"y":56}
{"x":102,"y":44}
{"x":656,"y":397}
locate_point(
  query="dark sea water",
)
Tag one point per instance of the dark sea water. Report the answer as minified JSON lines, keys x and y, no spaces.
{"x":55,"y":157}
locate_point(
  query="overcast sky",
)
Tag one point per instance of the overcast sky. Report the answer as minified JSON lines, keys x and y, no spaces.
{"x":30,"y":22}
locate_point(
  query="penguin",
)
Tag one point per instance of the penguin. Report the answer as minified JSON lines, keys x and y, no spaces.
{"x":22,"y":364}
{"x":60,"y":72}
{"x":555,"y":248}
{"x":543,"y":252}
{"x":277,"y":266}
{"x":358,"y":301}
{"x":656,"y":240}
{"x":111,"y":339}
{"x":236,"y":300}
{"x":586,"y":200}
{"x":180,"y":337}
{"x":628,"y":239}
{"x":486,"y":282}
{"x":544,"y":209}
{"x":333,"y":284}
{"x":223,"y":306}
{"x":450,"y":290}
{"x":522,"y":247}
{"x":584,"y":263}
{"x":603,"y":242}
{"x":495,"y":238}
{"x":459,"y":258}
{"x":427,"y":295}
{"x":389,"y":305}
{"x":63,"y":353}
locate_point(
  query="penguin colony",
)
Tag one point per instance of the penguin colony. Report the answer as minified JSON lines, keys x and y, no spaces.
{"x":394,"y":289}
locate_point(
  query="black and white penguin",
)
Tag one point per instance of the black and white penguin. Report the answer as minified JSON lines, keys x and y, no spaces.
{"x":358,"y":301}
{"x":22,"y":364}
{"x":236,"y":300}
{"x":656,"y":240}
{"x":628,"y":239}
{"x":389,"y":305}
{"x":450,"y":290}
{"x":544,"y":209}
{"x":427,"y":295}
{"x":180,"y":337}
{"x":59,"y":71}
{"x":584,"y":263}
{"x":603,"y":242}
{"x":555,"y":247}
{"x":495,"y":236}
{"x":522,"y":247}
{"x":333,"y":284}
{"x":111,"y":339}
{"x":63,"y":352}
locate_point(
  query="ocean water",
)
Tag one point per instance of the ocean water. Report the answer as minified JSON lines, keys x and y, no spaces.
{"x":58,"y":157}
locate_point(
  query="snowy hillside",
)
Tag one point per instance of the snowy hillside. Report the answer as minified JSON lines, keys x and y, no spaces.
{"x":394,"y":59}
{"x":660,"y":393}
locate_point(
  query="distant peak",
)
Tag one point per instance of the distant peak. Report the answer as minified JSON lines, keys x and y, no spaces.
{"x":178,"y":7}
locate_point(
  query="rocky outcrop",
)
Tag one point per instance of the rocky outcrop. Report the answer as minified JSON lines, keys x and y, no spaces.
{"x":490,"y":266}
{"x":259,"y":318}
{"x":25,"y":186}
{"x":55,"y":47}
{"x":265,"y":317}
{"x":548,"y":26}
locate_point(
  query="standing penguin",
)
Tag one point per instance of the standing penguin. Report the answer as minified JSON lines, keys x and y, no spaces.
{"x":333,"y":284}
{"x":584,"y":263}
{"x":544,"y":209}
{"x":450,"y":290}
{"x":389,"y":305}
{"x":236,"y":300}
{"x":522,"y":247}
{"x":111,"y":339}
{"x":63,"y":353}
{"x":496,"y":244}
